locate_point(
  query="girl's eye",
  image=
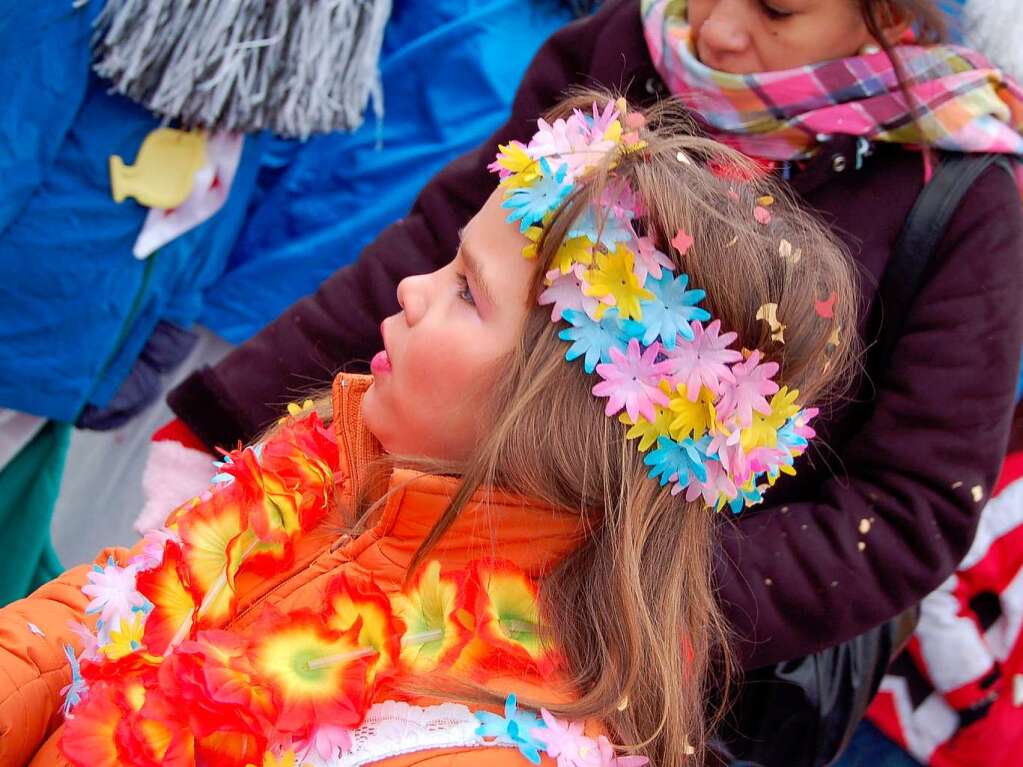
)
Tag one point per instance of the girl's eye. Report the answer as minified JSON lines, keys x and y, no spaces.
{"x":774,"y":13}
{"x":463,"y":290}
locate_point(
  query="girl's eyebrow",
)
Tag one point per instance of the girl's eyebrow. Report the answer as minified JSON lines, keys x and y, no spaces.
{"x":474,"y":269}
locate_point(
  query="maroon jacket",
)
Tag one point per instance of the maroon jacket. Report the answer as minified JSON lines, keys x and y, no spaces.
{"x":872,"y":523}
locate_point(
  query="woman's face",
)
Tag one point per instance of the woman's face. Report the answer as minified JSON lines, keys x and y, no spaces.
{"x":441,"y":351}
{"x":747,"y":36}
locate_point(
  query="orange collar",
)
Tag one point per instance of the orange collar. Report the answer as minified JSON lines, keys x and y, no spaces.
{"x":495,"y":523}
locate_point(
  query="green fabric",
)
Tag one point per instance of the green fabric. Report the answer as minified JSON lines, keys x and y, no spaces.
{"x":29,"y":485}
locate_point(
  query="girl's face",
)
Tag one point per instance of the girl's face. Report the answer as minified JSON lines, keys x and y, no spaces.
{"x":747,"y":36}
{"x":441,"y":351}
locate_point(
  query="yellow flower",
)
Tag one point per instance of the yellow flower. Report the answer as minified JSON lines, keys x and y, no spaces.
{"x":614,"y":276}
{"x":763,"y":431}
{"x":578,"y":250}
{"x":126,"y":638}
{"x":533,"y":234}
{"x":287,"y":759}
{"x":525,"y":170}
{"x":691,"y":418}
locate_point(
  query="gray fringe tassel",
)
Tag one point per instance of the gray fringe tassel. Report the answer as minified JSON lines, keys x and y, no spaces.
{"x":295,"y":67}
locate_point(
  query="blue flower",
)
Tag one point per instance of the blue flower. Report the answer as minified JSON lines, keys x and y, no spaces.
{"x":746,"y":498}
{"x":529,"y":204}
{"x":513,"y":729}
{"x":790,"y":440}
{"x":674,"y":461}
{"x":608,"y":232}
{"x":73,"y":692}
{"x":671,"y":310}
{"x":591,"y":339}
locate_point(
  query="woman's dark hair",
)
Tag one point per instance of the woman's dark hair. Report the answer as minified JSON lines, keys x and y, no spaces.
{"x":928,"y":21}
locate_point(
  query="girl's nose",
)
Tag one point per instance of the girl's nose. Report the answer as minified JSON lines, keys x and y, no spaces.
{"x":412,"y":298}
{"x":724,"y":31}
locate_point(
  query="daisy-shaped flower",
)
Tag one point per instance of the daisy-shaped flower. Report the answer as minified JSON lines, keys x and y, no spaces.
{"x":614,"y":277}
{"x":705,"y":360}
{"x":126,"y":637}
{"x":716,"y":490}
{"x":575,"y":250}
{"x":558,"y":138}
{"x":529,"y":204}
{"x":749,"y":391}
{"x":609,"y":758}
{"x":748,"y":495}
{"x":566,"y":742}
{"x":74,"y":691}
{"x":676,"y":462}
{"x":591,"y":339}
{"x":763,"y":431}
{"x":650,"y":260}
{"x":648,"y":431}
{"x":515,"y":728}
{"x":691,"y":418}
{"x":632,"y":381}
{"x":669,"y":313}
{"x":801,"y":422}
{"x":90,"y":644}
{"x":514,"y":165}
{"x":113,"y":592}
{"x":533,"y":234}
{"x":566,"y":292}
{"x":734,"y":460}
{"x":608,"y":230}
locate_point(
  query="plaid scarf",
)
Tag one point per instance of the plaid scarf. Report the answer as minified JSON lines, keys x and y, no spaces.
{"x":963,"y":103}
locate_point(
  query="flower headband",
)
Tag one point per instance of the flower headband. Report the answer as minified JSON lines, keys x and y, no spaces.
{"x":701,"y":405}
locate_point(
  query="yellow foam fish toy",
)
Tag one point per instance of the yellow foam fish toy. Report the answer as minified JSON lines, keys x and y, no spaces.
{"x":164,"y":171}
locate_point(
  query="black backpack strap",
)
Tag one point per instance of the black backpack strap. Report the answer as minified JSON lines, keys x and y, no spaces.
{"x":917,"y":243}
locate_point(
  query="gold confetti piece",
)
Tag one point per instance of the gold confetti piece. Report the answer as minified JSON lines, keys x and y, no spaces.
{"x":957,"y":485}
{"x":977,"y":493}
{"x":767,"y":200}
{"x":864,"y":526}
{"x":689,"y":750}
{"x":623,"y":703}
{"x":683,"y":158}
{"x":788,"y":253}
{"x":732,"y":241}
{"x":768,"y":582}
{"x":769,"y":314}
{"x":861,"y":546}
{"x":835,"y":340}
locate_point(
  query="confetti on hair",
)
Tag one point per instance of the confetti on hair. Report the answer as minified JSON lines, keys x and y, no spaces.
{"x":682,"y":241}
{"x":788,"y":253}
{"x":826,"y":308}
{"x":767,"y":200}
{"x":762,"y":215}
{"x":769,"y":314}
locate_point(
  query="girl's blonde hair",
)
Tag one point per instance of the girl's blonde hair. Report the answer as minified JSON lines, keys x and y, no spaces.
{"x":633,"y":609}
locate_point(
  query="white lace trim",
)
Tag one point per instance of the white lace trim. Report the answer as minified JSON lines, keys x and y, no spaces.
{"x":393,"y":728}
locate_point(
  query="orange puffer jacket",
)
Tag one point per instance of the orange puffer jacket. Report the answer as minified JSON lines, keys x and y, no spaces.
{"x":34,"y":630}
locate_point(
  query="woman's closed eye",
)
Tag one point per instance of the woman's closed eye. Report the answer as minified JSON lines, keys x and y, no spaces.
{"x":774,"y":13}
{"x":464,"y":291}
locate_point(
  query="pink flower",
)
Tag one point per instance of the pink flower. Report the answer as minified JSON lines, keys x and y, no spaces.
{"x":608,"y":758}
{"x":802,"y":422}
{"x":153,"y":543}
{"x":565,"y":742}
{"x":113,"y":592}
{"x":717,"y":485}
{"x":633,"y":381}
{"x":704,"y":361}
{"x":327,"y":741}
{"x":749,"y":390}
{"x":566,"y":292}
{"x":650,"y":260}
{"x":90,"y":643}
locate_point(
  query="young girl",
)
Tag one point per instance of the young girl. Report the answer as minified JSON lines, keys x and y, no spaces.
{"x":527,"y":483}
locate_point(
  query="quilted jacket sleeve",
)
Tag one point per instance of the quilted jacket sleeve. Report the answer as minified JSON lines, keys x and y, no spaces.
{"x":33,"y":667}
{"x":903,"y":510}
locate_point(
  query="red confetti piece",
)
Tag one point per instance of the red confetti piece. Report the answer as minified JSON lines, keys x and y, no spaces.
{"x":826,"y":309}
{"x":682,"y":242}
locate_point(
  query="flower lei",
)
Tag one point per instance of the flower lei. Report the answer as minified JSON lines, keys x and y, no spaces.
{"x":161,"y":682}
{"x":711,"y":419}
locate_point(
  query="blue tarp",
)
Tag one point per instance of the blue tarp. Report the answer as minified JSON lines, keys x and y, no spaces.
{"x":75,"y":305}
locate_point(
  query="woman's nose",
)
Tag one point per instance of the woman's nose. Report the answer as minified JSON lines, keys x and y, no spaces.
{"x":412,"y":298}
{"x":724,"y":30}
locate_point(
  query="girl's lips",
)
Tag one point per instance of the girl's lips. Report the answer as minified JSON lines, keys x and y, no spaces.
{"x":380,"y":363}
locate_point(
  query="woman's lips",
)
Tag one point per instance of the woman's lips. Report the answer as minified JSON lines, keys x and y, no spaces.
{"x":380,"y":363}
